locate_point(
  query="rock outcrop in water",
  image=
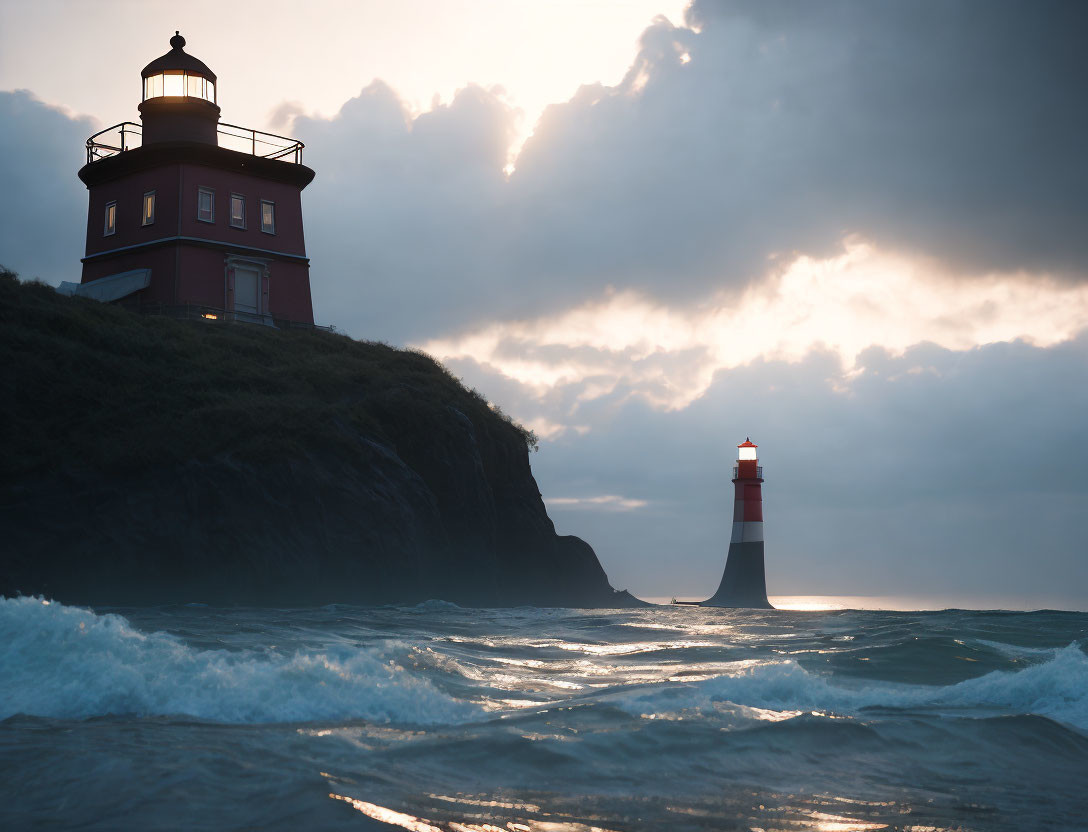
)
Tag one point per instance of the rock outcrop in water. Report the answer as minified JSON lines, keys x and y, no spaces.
{"x":148,"y":460}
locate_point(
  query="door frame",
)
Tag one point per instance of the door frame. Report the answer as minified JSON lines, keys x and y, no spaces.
{"x":263,"y":267}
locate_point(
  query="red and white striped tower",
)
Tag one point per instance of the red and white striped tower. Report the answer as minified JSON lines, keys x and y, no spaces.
{"x":744,"y":582}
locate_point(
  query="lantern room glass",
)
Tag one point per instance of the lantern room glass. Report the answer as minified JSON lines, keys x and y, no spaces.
{"x":179,"y":84}
{"x":746,"y":453}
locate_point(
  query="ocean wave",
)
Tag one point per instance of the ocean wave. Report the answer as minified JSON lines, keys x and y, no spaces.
{"x":1056,"y":688}
{"x":436,"y":604}
{"x":68,"y":662}
{"x":1015,"y":651}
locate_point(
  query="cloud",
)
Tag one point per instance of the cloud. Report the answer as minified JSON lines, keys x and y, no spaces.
{"x":402,"y":220}
{"x":600,"y":502}
{"x":946,"y":127}
{"x":944,"y":131}
{"x":843,"y":304}
{"x":44,"y":218}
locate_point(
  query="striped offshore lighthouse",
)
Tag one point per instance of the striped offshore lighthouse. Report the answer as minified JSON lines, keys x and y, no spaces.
{"x":744,"y":582}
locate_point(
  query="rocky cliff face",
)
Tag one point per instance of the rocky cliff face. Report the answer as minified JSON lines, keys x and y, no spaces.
{"x":157,"y":461}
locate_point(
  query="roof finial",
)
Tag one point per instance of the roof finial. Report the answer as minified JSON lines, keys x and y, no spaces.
{"x":177,"y":41}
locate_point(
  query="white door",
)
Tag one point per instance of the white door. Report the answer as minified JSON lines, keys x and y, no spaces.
{"x":246,"y":283}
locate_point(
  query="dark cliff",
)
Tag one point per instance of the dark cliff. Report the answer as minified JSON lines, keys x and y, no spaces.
{"x":146,"y":460}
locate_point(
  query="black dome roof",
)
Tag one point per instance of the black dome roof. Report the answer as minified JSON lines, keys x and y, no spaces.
{"x":178,"y":59}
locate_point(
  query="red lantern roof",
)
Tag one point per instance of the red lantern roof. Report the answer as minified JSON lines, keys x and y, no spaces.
{"x":747,"y":443}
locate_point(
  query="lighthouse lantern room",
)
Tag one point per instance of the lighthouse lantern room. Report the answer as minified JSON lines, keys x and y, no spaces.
{"x":186,"y":212}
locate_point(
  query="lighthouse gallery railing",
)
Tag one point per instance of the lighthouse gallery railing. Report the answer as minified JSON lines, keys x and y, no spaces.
{"x":127,"y":136}
{"x":759,"y":471}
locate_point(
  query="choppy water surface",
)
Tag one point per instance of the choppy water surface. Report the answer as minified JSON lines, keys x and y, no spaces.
{"x":439,"y":718}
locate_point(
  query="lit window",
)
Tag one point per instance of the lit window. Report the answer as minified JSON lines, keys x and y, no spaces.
{"x":205,"y":205}
{"x":149,"y":209}
{"x":153,"y":87}
{"x":237,"y":210}
{"x":110,"y":225}
{"x":174,"y":84}
{"x":268,"y":217}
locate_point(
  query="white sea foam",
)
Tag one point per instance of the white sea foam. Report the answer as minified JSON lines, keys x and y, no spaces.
{"x":436,"y":604}
{"x":62,"y":661}
{"x":1015,"y":651}
{"x":1057,"y":688}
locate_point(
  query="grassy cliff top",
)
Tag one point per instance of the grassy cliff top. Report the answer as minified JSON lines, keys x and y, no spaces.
{"x":87,"y":385}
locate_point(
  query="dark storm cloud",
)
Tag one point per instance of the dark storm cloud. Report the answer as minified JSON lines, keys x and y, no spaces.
{"x":954,"y":126}
{"x":949,"y":129}
{"x":43,"y":222}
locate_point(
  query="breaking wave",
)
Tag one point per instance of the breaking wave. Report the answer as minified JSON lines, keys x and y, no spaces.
{"x":68,"y":662}
{"x":1055,"y":688}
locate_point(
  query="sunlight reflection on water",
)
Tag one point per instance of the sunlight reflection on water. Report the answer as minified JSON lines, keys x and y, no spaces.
{"x":903,"y":603}
{"x":416,"y":824}
{"x":484,"y":810}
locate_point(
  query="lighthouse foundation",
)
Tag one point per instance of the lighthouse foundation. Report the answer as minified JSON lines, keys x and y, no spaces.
{"x":744,"y":582}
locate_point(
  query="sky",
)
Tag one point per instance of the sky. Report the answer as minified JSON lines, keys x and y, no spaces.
{"x":853,"y":231}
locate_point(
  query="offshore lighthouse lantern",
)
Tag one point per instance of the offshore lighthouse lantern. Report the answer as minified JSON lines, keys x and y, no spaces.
{"x":187,"y":211}
{"x":744,"y":582}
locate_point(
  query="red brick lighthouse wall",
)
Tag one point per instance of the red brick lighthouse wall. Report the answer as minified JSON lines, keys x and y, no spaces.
{"x":186,"y":210}
{"x":744,"y":582}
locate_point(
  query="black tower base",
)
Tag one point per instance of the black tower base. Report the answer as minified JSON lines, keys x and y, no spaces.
{"x":744,"y":582}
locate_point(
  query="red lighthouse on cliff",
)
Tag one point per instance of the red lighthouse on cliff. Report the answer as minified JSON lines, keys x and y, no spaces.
{"x":744,"y":582}
{"x":188,"y":212}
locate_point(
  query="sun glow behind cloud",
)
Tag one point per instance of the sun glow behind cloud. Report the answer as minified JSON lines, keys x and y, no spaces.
{"x":540,"y":53}
{"x":845,"y":304}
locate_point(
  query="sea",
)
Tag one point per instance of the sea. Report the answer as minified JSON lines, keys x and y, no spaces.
{"x":434,"y":717}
